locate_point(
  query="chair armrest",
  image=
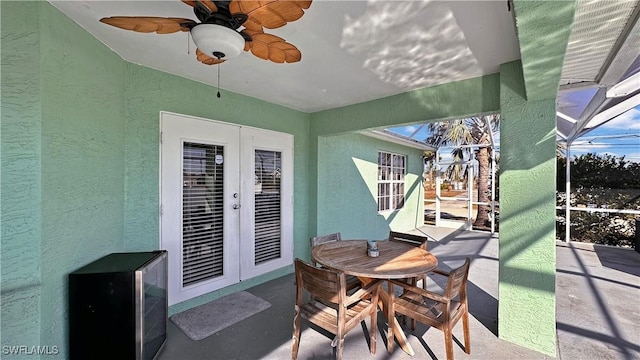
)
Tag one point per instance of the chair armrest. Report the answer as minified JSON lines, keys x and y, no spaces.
{"x":440,"y":272}
{"x":421,"y":291}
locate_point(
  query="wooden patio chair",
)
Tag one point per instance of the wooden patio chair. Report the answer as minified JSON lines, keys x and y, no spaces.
{"x":417,"y":241}
{"x":334,"y":310}
{"x":441,"y":311}
{"x":411,"y":239}
{"x":352,"y":281}
{"x":321,"y":239}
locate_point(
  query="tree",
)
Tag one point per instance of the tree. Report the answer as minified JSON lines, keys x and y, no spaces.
{"x":599,"y":170}
{"x":469,"y":131}
{"x":599,"y":181}
{"x":429,"y":166}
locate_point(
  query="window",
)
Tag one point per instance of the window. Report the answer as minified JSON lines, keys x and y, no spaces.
{"x":391,"y":171}
{"x":202,"y":217}
{"x":268,"y":195}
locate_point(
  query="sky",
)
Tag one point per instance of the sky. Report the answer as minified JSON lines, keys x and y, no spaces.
{"x":618,"y":137}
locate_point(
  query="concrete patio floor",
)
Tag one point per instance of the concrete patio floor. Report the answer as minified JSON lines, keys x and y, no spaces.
{"x":597,"y":312}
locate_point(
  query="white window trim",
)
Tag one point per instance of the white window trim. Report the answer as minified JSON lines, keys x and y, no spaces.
{"x":392,"y":206}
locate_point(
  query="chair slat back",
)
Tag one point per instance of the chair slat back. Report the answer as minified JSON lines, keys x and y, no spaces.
{"x":413,"y":240}
{"x":317,"y":240}
{"x":457,"y":282}
{"x":320,"y":283}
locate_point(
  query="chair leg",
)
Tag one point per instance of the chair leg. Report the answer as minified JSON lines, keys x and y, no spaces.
{"x":448,"y":341}
{"x":296,"y":334}
{"x":373,"y":330}
{"x":465,"y":329}
{"x":339,"y":349}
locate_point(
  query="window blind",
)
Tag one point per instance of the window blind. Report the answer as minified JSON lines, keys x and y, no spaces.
{"x":202,"y":212}
{"x":268,"y":194}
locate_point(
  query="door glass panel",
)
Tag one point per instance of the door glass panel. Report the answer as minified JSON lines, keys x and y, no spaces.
{"x":202,"y":212}
{"x":268,"y":177}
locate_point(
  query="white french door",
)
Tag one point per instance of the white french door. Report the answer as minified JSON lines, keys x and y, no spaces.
{"x":226,"y":203}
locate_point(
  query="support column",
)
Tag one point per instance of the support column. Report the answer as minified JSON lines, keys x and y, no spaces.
{"x":526,"y":310}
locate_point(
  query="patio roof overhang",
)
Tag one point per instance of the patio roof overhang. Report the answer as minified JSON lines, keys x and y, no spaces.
{"x":602,"y":52}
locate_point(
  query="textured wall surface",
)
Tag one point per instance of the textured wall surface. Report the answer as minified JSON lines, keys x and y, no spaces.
{"x":527,"y":216}
{"x":442,"y":102}
{"x":147,"y":93}
{"x":20,"y":176}
{"x":348,"y":187}
{"x":80,"y":169}
{"x":543,"y":31}
{"x":82,"y":160}
{"x":448,"y":101}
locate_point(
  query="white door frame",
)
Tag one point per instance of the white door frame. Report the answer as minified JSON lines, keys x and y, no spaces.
{"x":239,"y":233}
{"x":253,"y":139}
{"x":196,"y":130}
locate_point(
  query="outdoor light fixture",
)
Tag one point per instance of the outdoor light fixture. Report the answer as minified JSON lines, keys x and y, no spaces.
{"x":625,"y":87}
{"x":217,"y":41}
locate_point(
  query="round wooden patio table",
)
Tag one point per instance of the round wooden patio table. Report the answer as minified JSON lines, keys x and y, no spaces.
{"x":397,"y":260}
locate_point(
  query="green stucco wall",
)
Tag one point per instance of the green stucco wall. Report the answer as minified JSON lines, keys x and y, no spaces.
{"x":441,"y":102}
{"x":20,"y":177}
{"x":543,"y":32}
{"x":526,"y":309}
{"x":81,"y":84}
{"x":80,"y":153}
{"x":147,"y":93}
{"x":348,"y":187}
{"x":79,"y":170}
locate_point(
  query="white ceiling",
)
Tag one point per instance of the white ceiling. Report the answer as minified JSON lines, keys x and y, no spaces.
{"x":352,"y":51}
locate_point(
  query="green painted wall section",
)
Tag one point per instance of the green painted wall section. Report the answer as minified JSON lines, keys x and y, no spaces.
{"x":527,"y":216}
{"x":448,"y":101}
{"x":82,"y":160}
{"x":80,"y":154}
{"x":348,"y":187}
{"x":20,"y":175}
{"x":441,"y":102}
{"x":543,"y":29}
{"x":147,"y":93}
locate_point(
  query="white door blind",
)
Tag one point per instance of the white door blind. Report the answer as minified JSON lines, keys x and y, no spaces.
{"x":202,"y":212}
{"x":268,"y":194}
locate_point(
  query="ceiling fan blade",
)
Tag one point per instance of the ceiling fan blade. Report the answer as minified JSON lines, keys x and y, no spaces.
{"x":270,"y":14}
{"x":144,"y":24}
{"x":207,"y":60}
{"x":208,"y":3}
{"x":272,"y":48}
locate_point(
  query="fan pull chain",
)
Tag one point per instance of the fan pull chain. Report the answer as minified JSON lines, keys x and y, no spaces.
{"x":218,"y":94}
{"x":188,"y":43}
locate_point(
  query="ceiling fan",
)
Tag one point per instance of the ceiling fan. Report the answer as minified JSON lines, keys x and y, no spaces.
{"x":216,"y":35}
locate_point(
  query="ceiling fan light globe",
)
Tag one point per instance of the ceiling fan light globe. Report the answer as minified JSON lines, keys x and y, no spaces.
{"x":217,"y":41}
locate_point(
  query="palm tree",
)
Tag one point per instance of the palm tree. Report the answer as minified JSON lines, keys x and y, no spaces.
{"x":469,"y":131}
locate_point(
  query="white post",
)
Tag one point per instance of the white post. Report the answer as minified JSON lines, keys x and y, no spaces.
{"x":438,"y":181}
{"x":493,"y":190}
{"x":567,"y":216}
{"x":470,"y":178}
